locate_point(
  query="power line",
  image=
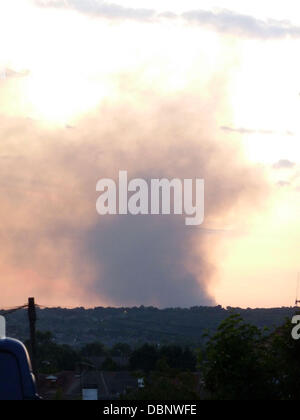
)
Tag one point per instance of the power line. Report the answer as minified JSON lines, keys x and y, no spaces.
{"x":17,"y":308}
{"x":31,"y":311}
{"x":12,"y":310}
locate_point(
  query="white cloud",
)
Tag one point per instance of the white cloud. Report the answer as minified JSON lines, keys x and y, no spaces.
{"x":100,"y":8}
{"x":245,"y":26}
{"x":284,"y":164}
{"x":223,"y":21}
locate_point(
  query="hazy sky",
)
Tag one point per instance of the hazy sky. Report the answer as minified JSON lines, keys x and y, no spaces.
{"x":160,"y":88}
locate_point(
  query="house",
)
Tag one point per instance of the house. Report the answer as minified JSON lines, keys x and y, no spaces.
{"x":110,"y":385}
{"x":66,"y":386}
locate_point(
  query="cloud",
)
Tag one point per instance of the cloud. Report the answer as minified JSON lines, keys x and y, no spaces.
{"x":223,"y":21}
{"x":99,"y":8}
{"x":239,"y":130}
{"x":142,"y":260}
{"x":243,"y":130}
{"x":283,"y":184}
{"x":284,"y":164}
{"x":8,"y":73}
{"x":56,"y":247}
{"x":244,"y":26}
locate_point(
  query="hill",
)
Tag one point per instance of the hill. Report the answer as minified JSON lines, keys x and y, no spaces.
{"x":137,"y":325}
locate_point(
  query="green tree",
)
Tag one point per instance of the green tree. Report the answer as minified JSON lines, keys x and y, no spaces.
{"x":53,"y":357}
{"x":167,"y":385}
{"x":179,"y":358}
{"x":284,"y":354}
{"x":93,"y":349}
{"x":121,"y":349}
{"x":234,"y":363}
{"x":110,"y":365}
{"x":144,"y":358}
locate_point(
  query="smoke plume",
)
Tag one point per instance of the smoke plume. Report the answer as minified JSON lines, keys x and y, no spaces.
{"x":53,"y":243}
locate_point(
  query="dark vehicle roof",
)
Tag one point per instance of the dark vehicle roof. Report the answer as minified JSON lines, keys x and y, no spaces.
{"x":16,"y":379}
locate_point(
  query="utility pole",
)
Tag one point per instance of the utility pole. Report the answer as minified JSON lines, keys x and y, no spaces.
{"x":32,"y":321}
{"x":297,"y":301}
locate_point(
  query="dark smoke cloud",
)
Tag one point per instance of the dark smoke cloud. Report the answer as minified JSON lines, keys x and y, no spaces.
{"x":142,"y":260}
{"x":55,"y":246}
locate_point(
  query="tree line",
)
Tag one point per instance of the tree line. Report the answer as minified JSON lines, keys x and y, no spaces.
{"x":239,"y":361}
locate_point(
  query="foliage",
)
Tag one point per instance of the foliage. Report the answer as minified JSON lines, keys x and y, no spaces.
{"x":121,"y":349}
{"x":52,"y":357}
{"x":146,"y":357}
{"x":110,"y":365}
{"x":166,"y":384}
{"x":239,"y":361}
{"x":284,"y":354}
{"x":234,"y":362}
{"x":93,"y":349}
{"x":138,"y":325}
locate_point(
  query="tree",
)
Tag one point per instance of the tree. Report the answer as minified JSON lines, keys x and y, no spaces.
{"x":167,"y":385}
{"x":284,"y":355}
{"x":121,"y":349}
{"x":179,"y":358}
{"x":234,"y":363}
{"x":93,"y":349}
{"x":110,"y":365}
{"x":53,"y":357}
{"x":144,"y":358}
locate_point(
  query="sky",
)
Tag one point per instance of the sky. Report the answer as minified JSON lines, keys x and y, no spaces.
{"x":161,"y":89}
